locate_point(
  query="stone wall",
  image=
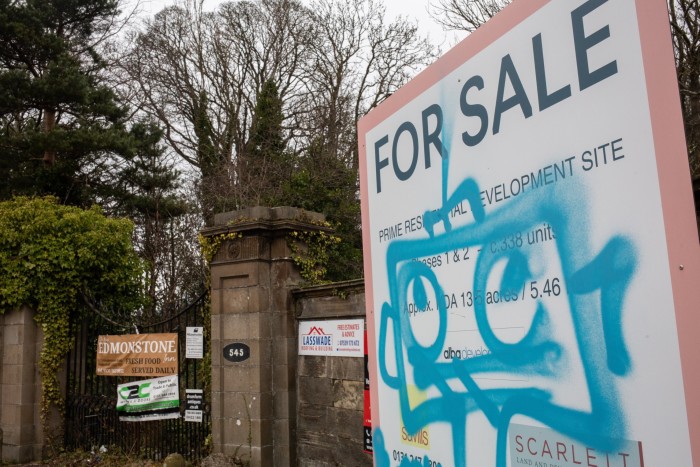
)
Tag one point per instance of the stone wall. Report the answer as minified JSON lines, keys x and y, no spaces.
{"x":23,"y":437}
{"x":330,"y":390}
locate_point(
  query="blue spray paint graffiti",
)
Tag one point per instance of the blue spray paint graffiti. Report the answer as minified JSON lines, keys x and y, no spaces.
{"x":595,"y":282}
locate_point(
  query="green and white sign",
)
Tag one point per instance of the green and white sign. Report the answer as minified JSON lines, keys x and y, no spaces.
{"x":149,"y":399}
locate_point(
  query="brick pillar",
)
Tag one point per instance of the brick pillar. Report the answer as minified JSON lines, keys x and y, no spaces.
{"x":253,"y":402}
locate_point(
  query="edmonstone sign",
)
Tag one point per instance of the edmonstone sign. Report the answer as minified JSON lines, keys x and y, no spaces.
{"x":137,"y":355}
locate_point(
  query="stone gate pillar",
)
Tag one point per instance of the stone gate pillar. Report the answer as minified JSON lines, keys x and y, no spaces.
{"x":253,"y":401}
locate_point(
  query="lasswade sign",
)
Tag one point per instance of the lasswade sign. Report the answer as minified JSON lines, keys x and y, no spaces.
{"x":145,"y":355}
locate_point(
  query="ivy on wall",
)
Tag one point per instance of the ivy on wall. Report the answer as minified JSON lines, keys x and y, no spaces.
{"x":311,"y":250}
{"x":211,"y":245}
{"x":311,"y":253}
{"x":49,"y":255}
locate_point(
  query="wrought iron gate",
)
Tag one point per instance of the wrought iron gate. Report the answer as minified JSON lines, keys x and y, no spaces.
{"x":91,"y":419}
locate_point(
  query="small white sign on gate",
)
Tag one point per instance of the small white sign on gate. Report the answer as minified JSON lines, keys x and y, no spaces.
{"x":194,"y":344}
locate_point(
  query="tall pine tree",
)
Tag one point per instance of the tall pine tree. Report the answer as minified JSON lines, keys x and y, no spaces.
{"x":57,"y":119}
{"x":266,"y":164}
{"x":145,"y":190}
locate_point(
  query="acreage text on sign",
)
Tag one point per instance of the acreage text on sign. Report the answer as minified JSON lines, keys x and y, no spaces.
{"x":137,"y":355}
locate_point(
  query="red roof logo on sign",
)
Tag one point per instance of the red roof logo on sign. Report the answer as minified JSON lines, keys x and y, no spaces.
{"x":316,"y":330}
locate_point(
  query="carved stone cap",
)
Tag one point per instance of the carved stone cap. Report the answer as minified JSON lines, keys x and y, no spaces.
{"x":270,"y":214}
{"x":264,"y":218}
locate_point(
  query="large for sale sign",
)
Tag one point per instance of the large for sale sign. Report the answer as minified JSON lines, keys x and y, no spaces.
{"x":531,"y":253}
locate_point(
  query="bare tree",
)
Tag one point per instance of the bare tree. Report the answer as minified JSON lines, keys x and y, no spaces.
{"x":685,"y":27}
{"x":167,"y":74}
{"x":464,"y":15}
{"x":262,"y":43}
{"x":199,"y":74}
{"x":359,"y":59}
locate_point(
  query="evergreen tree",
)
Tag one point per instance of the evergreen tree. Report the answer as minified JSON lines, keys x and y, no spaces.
{"x":145,"y":190}
{"x":323,"y":183}
{"x":211,"y":164}
{"x":57,"y":119}
{"x":267,"y":165}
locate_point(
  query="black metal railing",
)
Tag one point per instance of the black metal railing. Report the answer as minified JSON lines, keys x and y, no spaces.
{"x":91,"y":419}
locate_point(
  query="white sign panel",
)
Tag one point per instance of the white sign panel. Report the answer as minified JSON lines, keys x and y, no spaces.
{"x":525,"y":274}
{"x":335,"y":338}
{"x":194,"y":342}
